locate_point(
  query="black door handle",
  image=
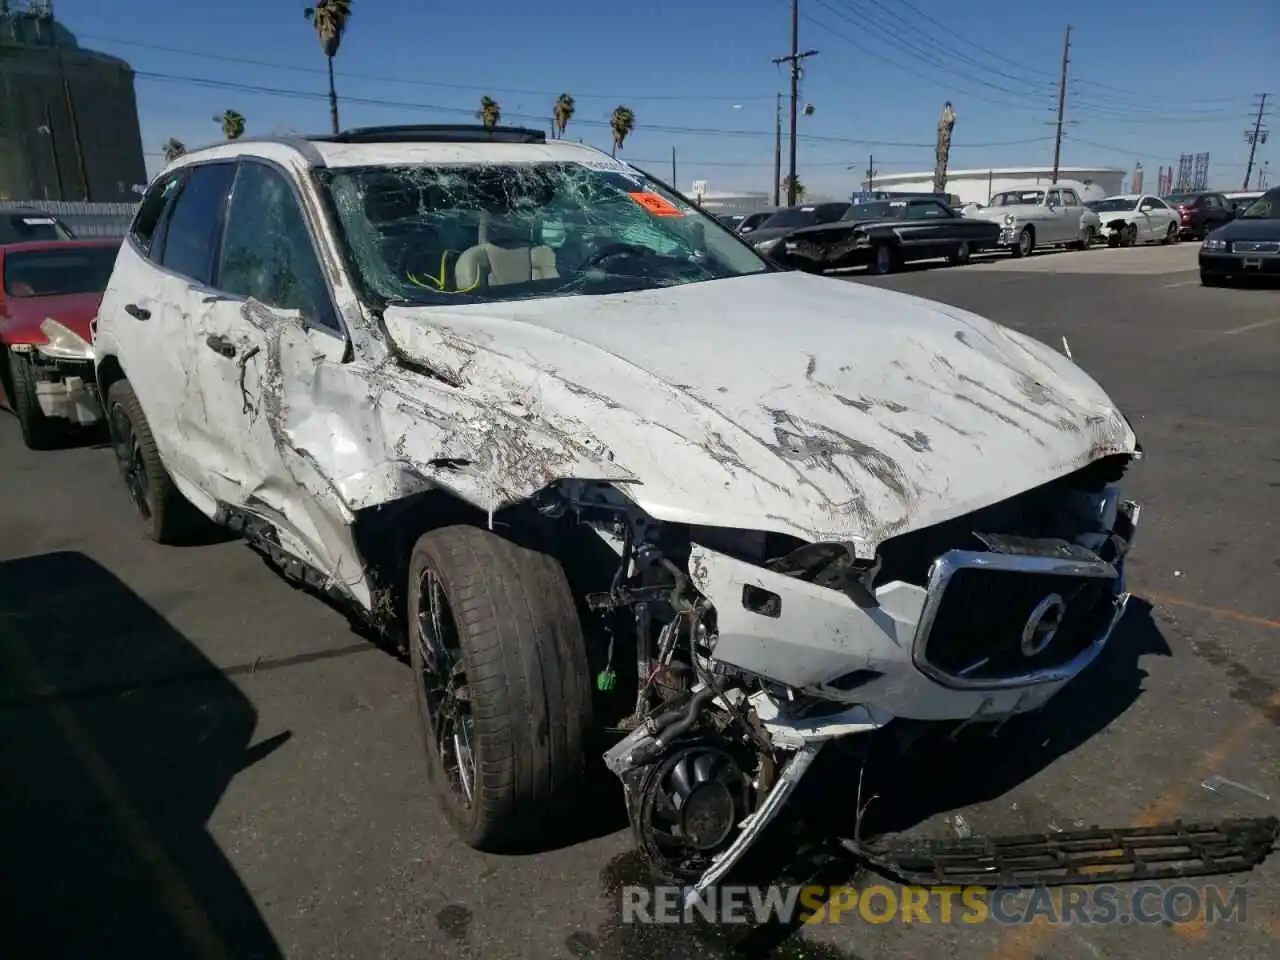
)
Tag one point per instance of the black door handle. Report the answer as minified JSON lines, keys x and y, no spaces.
{"x":137,"y":312}
{"x":220,"y":345}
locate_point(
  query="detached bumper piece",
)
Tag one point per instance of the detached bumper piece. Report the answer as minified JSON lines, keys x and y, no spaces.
{"x":1096,"y":855}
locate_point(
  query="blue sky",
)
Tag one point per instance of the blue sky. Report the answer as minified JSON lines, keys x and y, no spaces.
{"x":1149,"y":79}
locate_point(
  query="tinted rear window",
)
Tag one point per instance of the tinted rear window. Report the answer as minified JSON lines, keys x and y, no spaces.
{"x":28,"y":227}
{"x":52,"y":273}
{"x":193,"y":225}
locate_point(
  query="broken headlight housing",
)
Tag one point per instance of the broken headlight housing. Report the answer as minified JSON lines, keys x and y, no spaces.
{"x":63,"y":342}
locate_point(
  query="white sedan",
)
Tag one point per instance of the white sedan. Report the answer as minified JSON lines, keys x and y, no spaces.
{"x":1136,"y":218}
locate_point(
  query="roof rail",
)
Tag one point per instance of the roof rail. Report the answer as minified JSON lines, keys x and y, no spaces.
{"x":437,"y":133}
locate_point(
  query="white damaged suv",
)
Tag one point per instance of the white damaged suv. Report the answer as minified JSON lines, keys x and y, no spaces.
{"x":598,"y":466}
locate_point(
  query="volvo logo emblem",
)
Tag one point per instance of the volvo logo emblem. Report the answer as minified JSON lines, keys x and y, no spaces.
{"x":1043,"y":623}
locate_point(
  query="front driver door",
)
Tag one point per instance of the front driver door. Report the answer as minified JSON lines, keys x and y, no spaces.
{"x":267,"y":335}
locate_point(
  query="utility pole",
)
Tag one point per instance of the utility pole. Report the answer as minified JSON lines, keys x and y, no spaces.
{"x":1258,"y":135}
{"x":794,"y":59}
{"x":871,"y":173}
{"x":674,"y":182}
{"x":1062,"y":103}
{"x":777,"y":152}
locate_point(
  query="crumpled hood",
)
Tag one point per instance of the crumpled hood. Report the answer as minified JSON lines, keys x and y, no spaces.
{"x":781,"y":401}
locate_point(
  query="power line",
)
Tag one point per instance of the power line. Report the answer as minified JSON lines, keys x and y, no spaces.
{"x":953,"y":35}
{"x":887,"y":34}
{"x":470,"y":88}
{"x":468,"y":111}
{"x":943,"y":57}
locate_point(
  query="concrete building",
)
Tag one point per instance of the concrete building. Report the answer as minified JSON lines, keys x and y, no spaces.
{"x":977,"y":186}
{"x":68,"y":116}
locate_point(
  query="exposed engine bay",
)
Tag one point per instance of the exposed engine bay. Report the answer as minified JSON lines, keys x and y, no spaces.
{"x":752,"y":650}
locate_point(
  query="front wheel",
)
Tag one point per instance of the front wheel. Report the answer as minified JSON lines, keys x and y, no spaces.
{"x":1026,"y":243}
{"x":883,"y":259}
{"x":961,"y":253}
{"x":1130,"y":236}
{"x":39,"y":432}
{"x":502,"y":684}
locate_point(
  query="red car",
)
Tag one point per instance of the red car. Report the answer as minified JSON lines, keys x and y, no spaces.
{"x":49,"y":295}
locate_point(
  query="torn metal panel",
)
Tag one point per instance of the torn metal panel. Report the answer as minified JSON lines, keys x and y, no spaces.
{"x":866,"y":415}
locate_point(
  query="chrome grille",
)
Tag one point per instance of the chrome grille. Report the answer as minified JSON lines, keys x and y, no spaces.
{"x":1256,"y":246}
{"x":988,"y":612}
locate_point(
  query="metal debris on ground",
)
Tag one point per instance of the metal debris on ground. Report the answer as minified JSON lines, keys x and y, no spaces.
{"x":1216,"y":783}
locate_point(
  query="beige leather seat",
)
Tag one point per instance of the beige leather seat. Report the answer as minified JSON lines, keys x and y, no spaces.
{"x":516,"y":260}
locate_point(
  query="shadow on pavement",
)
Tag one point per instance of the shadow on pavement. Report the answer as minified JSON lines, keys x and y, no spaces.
{"x":117,"y":739}
{"x":933,"y":776}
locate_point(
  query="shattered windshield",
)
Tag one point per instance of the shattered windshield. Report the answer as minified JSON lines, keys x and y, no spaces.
{"x":1016,"y":197}
{"x":444,"y":233}
{"x":1114,"y":204}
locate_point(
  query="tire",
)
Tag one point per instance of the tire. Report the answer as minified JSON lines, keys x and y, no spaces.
{"x":883,"y":260}
{"x":167,"y":517}
{"x":39,"y":432}
{"x":1026,"y":243}
{"x":1086,"y":239}
{"x":518,"y":648}
{"x":961,"y":254}
{"x":1171,"y":235}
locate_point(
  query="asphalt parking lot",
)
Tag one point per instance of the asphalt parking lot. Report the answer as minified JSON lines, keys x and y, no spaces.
{"x":199,"y":761}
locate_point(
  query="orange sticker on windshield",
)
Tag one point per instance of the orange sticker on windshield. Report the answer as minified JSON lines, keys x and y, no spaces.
{"x":655,"y":204}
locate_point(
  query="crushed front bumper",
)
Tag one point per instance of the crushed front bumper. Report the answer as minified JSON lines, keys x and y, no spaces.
{"x":66,"y":389}
{"x":993,"y":633}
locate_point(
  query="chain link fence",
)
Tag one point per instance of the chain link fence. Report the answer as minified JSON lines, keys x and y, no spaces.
{"x":86,"y":219}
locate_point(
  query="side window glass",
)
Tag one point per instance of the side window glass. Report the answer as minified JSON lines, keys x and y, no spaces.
{"x":195,"y":221}
{"x":149,"y":211}
{"x":1055,"y":198}
{"x":267,"y":252}
{"x":1069,"y":196}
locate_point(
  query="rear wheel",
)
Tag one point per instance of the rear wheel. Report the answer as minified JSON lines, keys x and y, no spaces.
{"x":39,"y":432}
{"x":166,"y":515}
{"x":502,"y":683}
{"x":1171,"y":235}
{"x":961,"y":253}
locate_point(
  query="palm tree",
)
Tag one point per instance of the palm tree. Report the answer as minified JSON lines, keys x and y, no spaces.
{"x":173,"y":149}
{"x":786,"y":187}
{"x":330,"y":20}
{"x":621,"y":123}
{"x":946,"y":123}
{"x":490,"y":112}
{"x":563,"y":112}
{"x":232,"y":124}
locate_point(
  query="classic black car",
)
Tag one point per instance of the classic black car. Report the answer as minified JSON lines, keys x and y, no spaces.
{"x":887,"y":233}
{"x":1248,"y":246}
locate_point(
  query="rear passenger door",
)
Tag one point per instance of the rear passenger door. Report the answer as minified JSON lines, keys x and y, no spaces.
{"x":267,"y":342}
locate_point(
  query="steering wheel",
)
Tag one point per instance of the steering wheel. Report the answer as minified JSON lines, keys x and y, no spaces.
{"x":615,"y":250}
